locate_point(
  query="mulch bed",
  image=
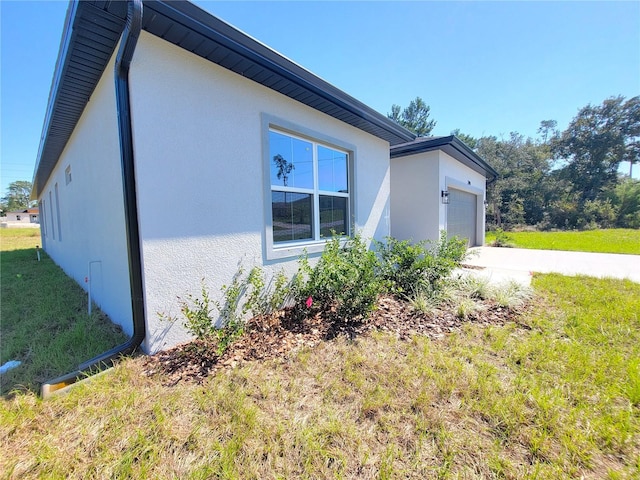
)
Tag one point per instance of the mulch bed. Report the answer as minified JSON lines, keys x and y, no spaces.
{"x":283,"y":333}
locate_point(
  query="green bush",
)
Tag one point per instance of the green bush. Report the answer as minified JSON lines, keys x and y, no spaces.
{"x":231,"y":325}
{"x":344,"y":279}
{"x":626,"y":196}
{"x":263,"y":299}
{"x":406,"y":268}
{"x":598,"y":214}
{"x":345,"y":282}
{"x":199,"y":319}
{"x":503,"y":239}
{"x":403,"y":265}
{"x":449,"y":253}
{"x":197,"y":313}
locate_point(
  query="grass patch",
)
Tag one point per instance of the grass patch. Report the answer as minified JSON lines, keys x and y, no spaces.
{"x":19,"y":238}
{"x":554,"y":396}
{"x":618,"y":240}
{"x":44,"y":316}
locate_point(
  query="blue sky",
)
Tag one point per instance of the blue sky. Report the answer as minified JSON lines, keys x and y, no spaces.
{"x":487,"y":68}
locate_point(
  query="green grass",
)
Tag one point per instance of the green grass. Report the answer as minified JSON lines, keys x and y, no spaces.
{"x":556,"y":395}
{"x":617,"y":240}
{"x":19,"y":238}
{"x":44,"y":316}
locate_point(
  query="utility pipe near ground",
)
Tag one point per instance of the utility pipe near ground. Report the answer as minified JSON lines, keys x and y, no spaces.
{"x":89,"y":281}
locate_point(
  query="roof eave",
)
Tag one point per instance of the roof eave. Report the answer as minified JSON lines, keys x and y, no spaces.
{"x":216,"y":29}
{"x":62,"y":116}
{"x":75,"y":78}
{"x":53,"y":92}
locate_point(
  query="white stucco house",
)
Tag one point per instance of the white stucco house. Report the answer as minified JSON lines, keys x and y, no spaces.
{"x":438,"y":183}
{"x":28,"y":217}
{"x":177,"y":148}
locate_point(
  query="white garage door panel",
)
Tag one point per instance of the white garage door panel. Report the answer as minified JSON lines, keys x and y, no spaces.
{"x":462,"y":215}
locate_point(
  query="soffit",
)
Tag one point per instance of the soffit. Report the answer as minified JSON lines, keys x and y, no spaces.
{"x":93,"y":29}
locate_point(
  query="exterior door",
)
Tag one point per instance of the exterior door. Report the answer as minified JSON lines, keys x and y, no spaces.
{"x":462,"y":215}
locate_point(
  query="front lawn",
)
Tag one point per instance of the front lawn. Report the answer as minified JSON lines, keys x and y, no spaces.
{"x":618,"y":240}
{"x":554,"y":394}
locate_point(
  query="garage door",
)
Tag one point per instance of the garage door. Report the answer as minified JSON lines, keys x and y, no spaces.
{"x":462,"y":215}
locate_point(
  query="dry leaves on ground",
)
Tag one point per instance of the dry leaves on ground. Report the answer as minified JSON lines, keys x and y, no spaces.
{"x":284,"y":333}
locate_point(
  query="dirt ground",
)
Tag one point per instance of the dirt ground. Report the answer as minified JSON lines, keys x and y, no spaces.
{"x":282,"y":334}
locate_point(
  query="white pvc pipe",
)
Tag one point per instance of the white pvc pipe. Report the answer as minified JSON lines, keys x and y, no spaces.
{"x":88,"y":281}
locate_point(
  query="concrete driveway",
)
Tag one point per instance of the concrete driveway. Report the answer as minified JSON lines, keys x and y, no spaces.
{"x":519,"y":263}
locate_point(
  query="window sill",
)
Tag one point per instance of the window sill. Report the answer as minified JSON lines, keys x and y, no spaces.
{"x":295,"y":250}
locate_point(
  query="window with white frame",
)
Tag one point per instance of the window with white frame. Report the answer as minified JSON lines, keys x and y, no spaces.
{"x":310,"y":189}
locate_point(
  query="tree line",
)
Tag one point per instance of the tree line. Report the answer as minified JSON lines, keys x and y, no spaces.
{"x":562,"y":179}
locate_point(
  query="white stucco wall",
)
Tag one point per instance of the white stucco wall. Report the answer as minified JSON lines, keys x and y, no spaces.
{"x":198,"y":133}
{"x":13,"y":217}
{"x":417,"y":211}
{"x":415,"y":202}
{"x":86,"y":223}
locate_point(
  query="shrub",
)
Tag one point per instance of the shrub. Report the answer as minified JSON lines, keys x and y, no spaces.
{"x":599,"y":214}
{"x":197,"y":313}
{"x":403,"y":265}
{"x":503,"y":239}
{"x":281,"y":292}
{"x":626,"y":196}
{"x":263,"y":299}
{"x":344,"y":279}
{"x":199,"y":320}
{"x":449,"y":253}
{"x":259,"y":300}
{"x":231,"y":323}
{"x":407,"y":267}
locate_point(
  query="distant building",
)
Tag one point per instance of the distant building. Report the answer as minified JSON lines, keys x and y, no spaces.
{"x":29,"y":215}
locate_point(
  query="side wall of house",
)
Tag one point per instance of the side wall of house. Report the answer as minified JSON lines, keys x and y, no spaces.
{"x":13,"y":217}
{"x":454,"y":174}
{"x":200,"y":135}
{"x":415,"y":202}
{"x":81,"y":207}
